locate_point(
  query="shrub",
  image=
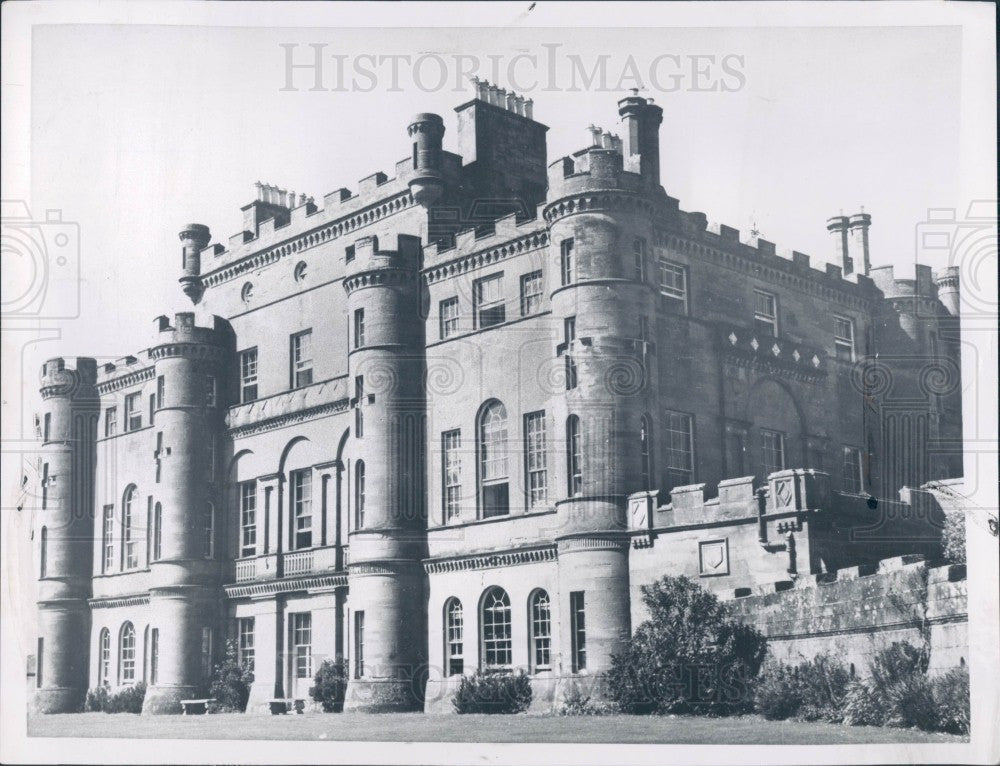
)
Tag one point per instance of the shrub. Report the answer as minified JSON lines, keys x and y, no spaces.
{"x":577,"y":703}
{"x":230,"y":685}
{"x":953,"y":536}
{"x":97,"y":700}
{"x":813,"y":690}
{"x":689,"y":657}
{"x":863,"y":707}
{"x":330,"y":686}
{"x":503,"y":693}
{"x":898,"y":691}
{"x":951,"y":700}
{"x":128,"y":700}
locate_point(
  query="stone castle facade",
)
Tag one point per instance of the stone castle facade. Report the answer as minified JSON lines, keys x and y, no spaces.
{"x":453,"y":421}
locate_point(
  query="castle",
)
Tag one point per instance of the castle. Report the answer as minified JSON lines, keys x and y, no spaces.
{"x":454,"y":420}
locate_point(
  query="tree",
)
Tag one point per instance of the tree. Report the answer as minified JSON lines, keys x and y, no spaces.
{"x":231,"y":681}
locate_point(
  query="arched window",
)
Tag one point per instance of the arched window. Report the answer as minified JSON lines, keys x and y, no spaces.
{"x":359,"y":494}
{"x":104,"y":659}
{"x":540,"y":624}
{"x":43,"y":552}
{"x":495,"y":621}
{"x":646,"y":451}
{"x":157,"y":532}
{"x":130,"y":543}
{"x":209,"y":551}
{"x":493,"y":493}
{"x":574,"y":456}
{"x":454,"y":637}
{"x":126,"y":654}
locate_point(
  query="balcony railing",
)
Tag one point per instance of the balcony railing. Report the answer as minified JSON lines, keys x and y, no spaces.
{"x":297,"y":563}
{"x":291,"y":564}
{"x":246,"y":569}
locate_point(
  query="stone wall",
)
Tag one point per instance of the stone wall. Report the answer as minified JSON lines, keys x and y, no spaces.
{"x":858,"y":611}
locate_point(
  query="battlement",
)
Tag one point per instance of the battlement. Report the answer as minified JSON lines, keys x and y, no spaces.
{"x":508,"y":235}
{"x":185,"y":328}
{"x":60,"y":378}
{"x":921,"y":286}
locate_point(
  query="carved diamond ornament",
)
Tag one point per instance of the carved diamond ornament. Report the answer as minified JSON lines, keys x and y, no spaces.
{"x":775,"y":349}
{"x":783,"y":493}
{"x":732,"y":339}
{"x":815,"y":361}
{"x":795,"y":355}
{"x":754,"y":344}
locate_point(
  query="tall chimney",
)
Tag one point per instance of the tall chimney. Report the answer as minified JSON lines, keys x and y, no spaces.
{"x":641,"y":122}
{"x":838,"y":227}
{"x":858,"y":241}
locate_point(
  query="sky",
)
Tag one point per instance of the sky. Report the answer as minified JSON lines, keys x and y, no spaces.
{"x":139,"y":130}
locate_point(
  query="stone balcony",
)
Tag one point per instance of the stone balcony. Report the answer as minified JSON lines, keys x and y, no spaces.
{"x":290,"y":564}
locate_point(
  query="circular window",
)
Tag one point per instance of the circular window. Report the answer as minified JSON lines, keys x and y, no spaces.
{"x":247,"y":292}
{"x":300,"y":271}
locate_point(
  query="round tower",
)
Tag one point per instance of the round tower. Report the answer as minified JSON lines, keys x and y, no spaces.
{"x":64,"y":533}
{"x":194,"y":237}
{"x":185,"y":565}
{"x":426,"y":131}
{"x":387,"y":538}
{"x":604,"y":301}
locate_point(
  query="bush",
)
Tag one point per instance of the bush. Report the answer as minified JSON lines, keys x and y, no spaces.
{"x":951,"y":700}
{"x":953,"y":536}
{"x":97,"y":700}
{"x":330,"y":686}
{"x":813,"y":690}
{"x":689,"y":657}
{"x":578,"y":703}
{"x":502,"y":693}
{"x":230,"y":686}
{"x":863,"y":707}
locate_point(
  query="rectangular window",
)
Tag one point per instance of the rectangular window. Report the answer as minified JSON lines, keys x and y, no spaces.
{"x":489,"y":304}
{"x":302,"y":507}
{"x":108,"y":539}
{"x":567,"y":262}
{"x":843,"y":338}
{"x":673,"y":284}
{"x":765,"y":313}
{"x":110,"y":421}
{"x":248,"y":518}
{"x":248,"y":375}
{"x":47,"y":428}
{"x":448,"y":309}
{"x":578,"y":628}
{"x":302,"y":359}
{"x":161,"y":384}
{"x":211,"y":396}
{"x":574,"y":456}
{"x":569,"y":335}
{"x":535,"y":459}
{"x":45,"y":486}
{"x":679,"y":449}
{"x":244,"y":627}
{"x":38,"y":662}
{"x":854,"y":479}
{"x":359,"y":328}
{"x":451,"y":466}
{"x":359,"y":644}
{"x":302,"y":644}
{"x":349,"y":253}
{"x":154,"y":655}
{"x":772,"y":451}
{"x":206,"y":652}
{"x":531,"y":293}
{"x":639,"y":256}
{"x":208,"y":547}
{"x":210,"y":457}
{"x":157,"y":532}
{"x":133,"y":412}
{"x":152,"y":407}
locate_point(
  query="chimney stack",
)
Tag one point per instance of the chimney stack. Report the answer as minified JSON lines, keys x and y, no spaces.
{"x":858,"y":242}
{"x":838,"y":228}
{"x":641,"y":119}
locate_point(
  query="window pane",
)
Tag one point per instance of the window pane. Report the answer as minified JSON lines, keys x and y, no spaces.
{"x":454,"y":636}
{"x":496,"y":637}
{"x":451,"y":442}
{"x":531,"y":293}
{"x":248,"y":518}
{"x":535,"y":459}
{"x":541,"y":631}
{"x":302,"y":507}
{"x":678,"y":447}
{"x":449,"y":317}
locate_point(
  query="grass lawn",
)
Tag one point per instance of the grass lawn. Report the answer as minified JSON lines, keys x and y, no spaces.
{"x":416,"y":727}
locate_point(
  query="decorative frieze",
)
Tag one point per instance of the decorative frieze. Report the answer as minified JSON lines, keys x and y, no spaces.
{"x":486,"y":257}
{"x":288,"y":585}
{"x":187,"y":350}
{"x":588,"y":202}
{"x":139,"y":599}
{"x":125,"y":381}
{"x":533,"y":555}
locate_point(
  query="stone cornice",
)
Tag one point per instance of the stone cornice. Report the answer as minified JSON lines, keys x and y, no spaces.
{"x":529,"y":555}
{"x":113,"y":602}
{"x":187,"y":350}
{"x":486,"y":257}
{"x":286,"y":585}
{"x":312,"y":238}
{"x":377,"y":277}
{"x":127,"y":380}
{"x":598,"y":200}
